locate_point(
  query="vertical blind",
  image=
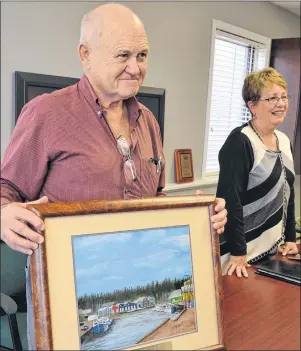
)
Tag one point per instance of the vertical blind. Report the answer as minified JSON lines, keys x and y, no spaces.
{"x":234,"y":58}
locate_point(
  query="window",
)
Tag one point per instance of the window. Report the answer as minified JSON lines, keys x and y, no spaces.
{"x":235,"y":53}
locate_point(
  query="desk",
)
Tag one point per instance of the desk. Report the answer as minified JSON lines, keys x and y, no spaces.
{"x":261,"y":313}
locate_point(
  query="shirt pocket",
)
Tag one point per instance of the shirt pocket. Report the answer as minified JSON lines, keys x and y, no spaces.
{"x":149,"y":178}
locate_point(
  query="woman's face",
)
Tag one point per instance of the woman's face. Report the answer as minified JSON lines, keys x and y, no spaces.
{"x":270,"y":109}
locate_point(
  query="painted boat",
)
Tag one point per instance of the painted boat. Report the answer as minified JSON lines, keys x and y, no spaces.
{"x":101,"y":325}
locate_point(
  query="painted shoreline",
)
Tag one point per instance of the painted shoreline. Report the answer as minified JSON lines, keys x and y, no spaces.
{"x":184,"y":323}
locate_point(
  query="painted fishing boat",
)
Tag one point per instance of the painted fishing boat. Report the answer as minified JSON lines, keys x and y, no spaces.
{"x":101,"y":325}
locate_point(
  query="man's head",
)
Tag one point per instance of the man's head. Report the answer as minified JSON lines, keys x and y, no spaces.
{"x":113,"y":50}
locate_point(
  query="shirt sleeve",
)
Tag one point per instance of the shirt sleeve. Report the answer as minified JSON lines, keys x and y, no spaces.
{"x":25,"y":161}
{"x":236,"y":159}
{"x":9,"y":193}
{"x":290,"y":227}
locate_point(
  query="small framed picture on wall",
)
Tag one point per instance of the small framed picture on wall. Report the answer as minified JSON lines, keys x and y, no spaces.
{"x":184,"y":165}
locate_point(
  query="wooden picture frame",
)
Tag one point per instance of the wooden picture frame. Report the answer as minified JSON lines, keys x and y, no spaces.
{"x":29,"y":85}
{"x":184,"y":165}
{"x":172,"y":230}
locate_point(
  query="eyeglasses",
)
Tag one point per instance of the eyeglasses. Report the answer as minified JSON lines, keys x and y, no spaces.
{"x":275,"y":99}
{"x":129,"y":165}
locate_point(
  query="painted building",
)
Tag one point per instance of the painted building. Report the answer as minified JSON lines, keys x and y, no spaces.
{"x":115,"y":308}
{"x":175,"y":297}
{"x":104,"y":311}
{"x":151,"y":301}
{"x":188,"y":293}
{"x":127,"y":307}
{"x":142,"y":302}
{"x":85,"y":313}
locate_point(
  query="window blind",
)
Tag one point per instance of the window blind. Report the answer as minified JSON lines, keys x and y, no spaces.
{"x":234,"y":58}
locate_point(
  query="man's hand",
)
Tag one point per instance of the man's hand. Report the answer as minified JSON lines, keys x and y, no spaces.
{"x":238,"y":264}
{"x":14,"y":229}
{"x":220,"y":219}
{"x":288,"y":248}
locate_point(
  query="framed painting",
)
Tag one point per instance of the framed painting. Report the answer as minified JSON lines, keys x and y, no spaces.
{"x":128,"y":275}
{"x":30,"y":85}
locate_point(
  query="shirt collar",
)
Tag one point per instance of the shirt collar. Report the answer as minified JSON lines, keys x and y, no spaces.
{"x":87,"y":90}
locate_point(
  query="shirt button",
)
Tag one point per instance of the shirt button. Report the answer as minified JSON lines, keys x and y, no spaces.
{"x":99,"y":113}
{"x":126,"y":190}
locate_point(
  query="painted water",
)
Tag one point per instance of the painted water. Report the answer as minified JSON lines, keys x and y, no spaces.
{"x":128,"y":330}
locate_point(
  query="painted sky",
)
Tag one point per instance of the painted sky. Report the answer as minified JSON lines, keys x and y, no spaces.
{"x":106,"y":262}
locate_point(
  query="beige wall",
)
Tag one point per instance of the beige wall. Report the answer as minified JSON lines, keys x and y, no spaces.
{"x":42,"y":37}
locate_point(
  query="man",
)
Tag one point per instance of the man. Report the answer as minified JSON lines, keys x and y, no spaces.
{"x":89,"y":141}
{"x":64,"y":145}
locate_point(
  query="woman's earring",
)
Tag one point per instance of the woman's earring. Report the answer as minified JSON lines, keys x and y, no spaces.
{"x":254,"y":115}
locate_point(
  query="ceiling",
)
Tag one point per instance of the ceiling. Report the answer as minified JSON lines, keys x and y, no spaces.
{"x":292,"y":6}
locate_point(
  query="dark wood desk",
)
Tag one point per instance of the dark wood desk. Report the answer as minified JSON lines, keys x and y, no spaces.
{"x":261,"y":313}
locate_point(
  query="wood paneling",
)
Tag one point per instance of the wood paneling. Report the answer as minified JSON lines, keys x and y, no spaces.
{"x":285,"y":58}
{"x":297,"y":144}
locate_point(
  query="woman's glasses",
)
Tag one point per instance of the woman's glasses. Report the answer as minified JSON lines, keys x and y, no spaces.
{"x":129,"y":165}
{"x":275,"y":99}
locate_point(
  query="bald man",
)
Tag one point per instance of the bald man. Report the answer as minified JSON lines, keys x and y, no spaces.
{"x":92,"y":140}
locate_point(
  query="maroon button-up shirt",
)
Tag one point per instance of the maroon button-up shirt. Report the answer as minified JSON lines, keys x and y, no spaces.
{"x":62,"y":147}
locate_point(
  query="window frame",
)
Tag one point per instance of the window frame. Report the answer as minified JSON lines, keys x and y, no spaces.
{"x":237,"y":31}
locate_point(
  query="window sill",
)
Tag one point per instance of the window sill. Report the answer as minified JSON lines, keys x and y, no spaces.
{"x":198,"y":183}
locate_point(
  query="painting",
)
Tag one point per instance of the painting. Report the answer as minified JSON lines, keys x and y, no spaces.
{"x":134,"y":287}
{"x":139,"y":274}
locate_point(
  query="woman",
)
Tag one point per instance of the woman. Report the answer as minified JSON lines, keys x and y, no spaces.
{"x":257,"y":177}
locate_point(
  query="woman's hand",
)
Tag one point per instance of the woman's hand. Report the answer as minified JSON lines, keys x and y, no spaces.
{"x":288,"y":248}
{"x":238,"y":264}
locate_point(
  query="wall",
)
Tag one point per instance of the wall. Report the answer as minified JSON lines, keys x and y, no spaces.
{"x":42,"y":37}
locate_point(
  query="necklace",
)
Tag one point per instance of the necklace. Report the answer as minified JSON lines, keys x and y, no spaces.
{"x":251,"y":124}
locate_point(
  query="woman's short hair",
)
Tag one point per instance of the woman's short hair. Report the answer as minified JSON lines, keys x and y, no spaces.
{"x":256,"y":81}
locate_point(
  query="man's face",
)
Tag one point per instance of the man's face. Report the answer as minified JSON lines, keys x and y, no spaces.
{"x":118,"y":62}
